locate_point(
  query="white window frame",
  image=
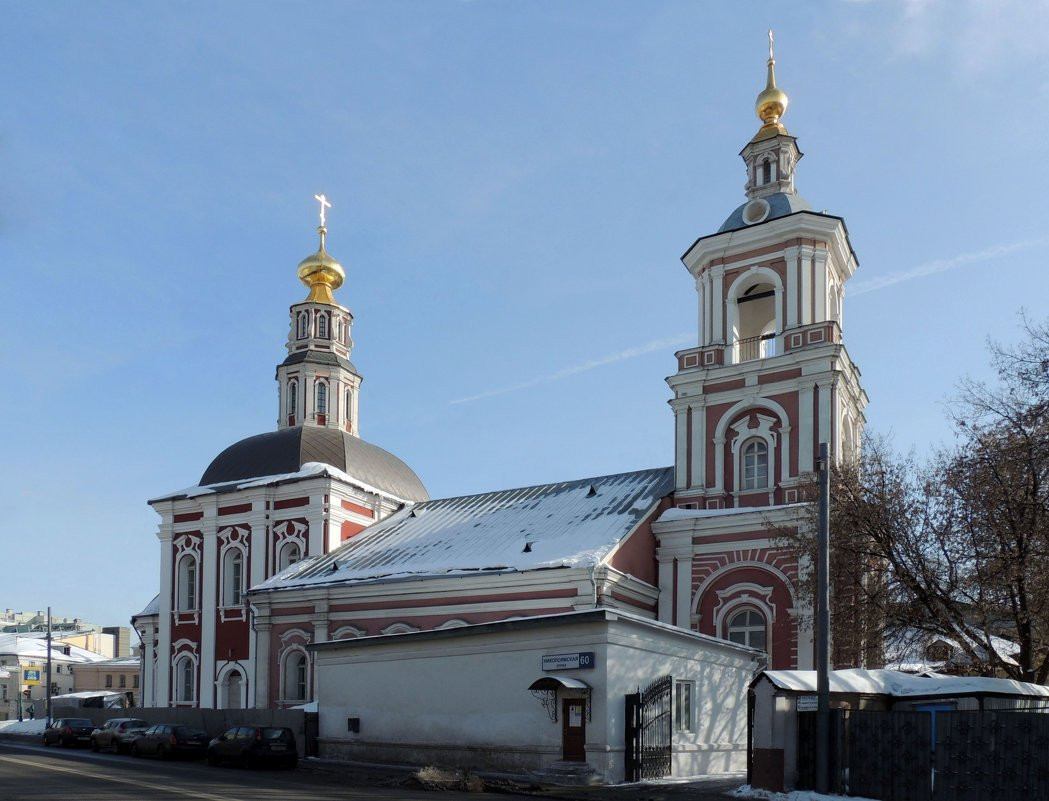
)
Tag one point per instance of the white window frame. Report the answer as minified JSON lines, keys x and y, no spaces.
{"x":232,"y":584}
{"x":688,"y":724}
{"x":186,"y":578}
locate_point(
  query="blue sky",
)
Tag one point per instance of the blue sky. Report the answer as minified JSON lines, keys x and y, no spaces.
{"x":512,"y":185}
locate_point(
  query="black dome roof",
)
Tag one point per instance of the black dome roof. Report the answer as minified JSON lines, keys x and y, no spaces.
{"x":287,"y":450}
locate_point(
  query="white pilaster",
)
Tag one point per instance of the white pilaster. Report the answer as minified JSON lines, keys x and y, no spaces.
{"x":683,"y":595}
{"x":805,"y":451}
{"x":666,"y":589}
{"x":209,"y":602}
{"x":806,"y":285}
{"x":791,"y":256}
{"x":163,"y":679}
{"x":717,"y":301}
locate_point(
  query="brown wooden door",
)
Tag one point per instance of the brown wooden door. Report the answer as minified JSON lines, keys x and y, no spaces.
{"x":573,"y":729}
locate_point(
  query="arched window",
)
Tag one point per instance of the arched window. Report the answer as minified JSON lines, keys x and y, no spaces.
{"x":232,"y":577}
{"x":755,"y":464}
{"x":290,"y":553}
{"x":185,"y":681}
{"x":186,"y":590}
{"x":747,"y":627}
{"x":766,"y":171}
{"x":348,"y":412}
{"x":322,"y":398}
{"x":304,"y":325}
{"x":295,"y":676}
{"x":293,"y":396}
{"x":322,"y":325}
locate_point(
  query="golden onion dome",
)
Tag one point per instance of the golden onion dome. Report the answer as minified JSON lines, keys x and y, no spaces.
{"x":771,"y":103}
{"x":321,"y":273}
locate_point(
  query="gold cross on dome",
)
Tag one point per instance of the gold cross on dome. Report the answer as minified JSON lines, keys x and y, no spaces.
{"x":770,"y":45}
{"x":324,"y":205}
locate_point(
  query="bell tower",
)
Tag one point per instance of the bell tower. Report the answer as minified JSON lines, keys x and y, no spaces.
{"x":770,"y":377}
{"x":317,"y":384}
{"x":767,"y":381}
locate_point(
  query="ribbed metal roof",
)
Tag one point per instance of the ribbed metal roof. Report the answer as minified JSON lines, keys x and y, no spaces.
{"x":567,"y":524}
{"x":285,"y":451}
{"x":311,"y":356}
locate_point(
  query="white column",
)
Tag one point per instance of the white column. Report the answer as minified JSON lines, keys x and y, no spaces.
{"x":826,"y":410}
{"x":315,"y":521}
{"x":717,"y":306}
{"x":805,"y":423}
{"x":683,"y":599}
{"x":821,"y":312}
{"x":680,"y":446}
{"x":806,"y":285}
{"x":262,"y":661}
{"x":699,"y":445}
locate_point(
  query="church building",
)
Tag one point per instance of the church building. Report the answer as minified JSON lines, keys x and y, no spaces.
{"x":309,"y":534}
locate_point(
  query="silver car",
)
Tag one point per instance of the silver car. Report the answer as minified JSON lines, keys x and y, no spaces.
{"x":117,"y":733}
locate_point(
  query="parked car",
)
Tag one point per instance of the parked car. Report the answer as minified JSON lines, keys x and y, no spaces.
{"x":69,"y":731}
{"x":170,"y":740}
{"x":256,"y":746}
{"x":117,"y":733}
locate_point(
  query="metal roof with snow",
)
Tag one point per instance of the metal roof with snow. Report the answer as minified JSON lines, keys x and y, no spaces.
{"x":566,"y":524}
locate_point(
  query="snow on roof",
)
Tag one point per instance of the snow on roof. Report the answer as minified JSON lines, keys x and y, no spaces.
{"x":33,"y":645}
{"x":308,"y":470}
{"x":901,"y":685}
{"x":692,"y":514}
{"x":567,"y":524}
{"x":907,"y":650}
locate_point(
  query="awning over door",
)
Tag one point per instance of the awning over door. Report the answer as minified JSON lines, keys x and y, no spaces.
{"x":545,"y":689}
{"x":554,"y":682}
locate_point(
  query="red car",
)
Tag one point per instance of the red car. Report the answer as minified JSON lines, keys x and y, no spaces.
{"x":69,"y":731}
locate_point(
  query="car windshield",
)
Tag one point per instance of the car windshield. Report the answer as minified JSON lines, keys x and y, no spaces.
{"x":275,"y":734}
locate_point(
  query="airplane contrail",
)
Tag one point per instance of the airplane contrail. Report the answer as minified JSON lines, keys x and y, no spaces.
{"x":940,"y":266}
{"x":629,"y":353}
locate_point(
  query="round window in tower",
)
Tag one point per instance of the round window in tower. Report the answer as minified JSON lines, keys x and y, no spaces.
{"x":756,"y":211}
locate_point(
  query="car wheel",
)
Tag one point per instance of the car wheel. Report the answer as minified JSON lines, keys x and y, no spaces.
{"x":94,"y":744}
{"x":135,"y":750}
{"x":162,"y":752}
{"x":213,"y":760}
{"x":292,"y":763}
{"x":47,"y":743}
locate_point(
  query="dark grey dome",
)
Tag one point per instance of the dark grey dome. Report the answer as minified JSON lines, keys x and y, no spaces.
{"x":780,"y":205}
{"x":287,"y":450}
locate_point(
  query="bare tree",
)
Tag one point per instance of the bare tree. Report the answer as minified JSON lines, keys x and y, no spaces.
{"x":957,"y":547}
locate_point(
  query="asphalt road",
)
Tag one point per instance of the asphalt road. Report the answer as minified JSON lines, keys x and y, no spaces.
{"x":35,"y":773}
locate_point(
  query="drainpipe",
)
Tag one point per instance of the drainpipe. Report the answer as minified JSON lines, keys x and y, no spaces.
{"x":593,"y":581}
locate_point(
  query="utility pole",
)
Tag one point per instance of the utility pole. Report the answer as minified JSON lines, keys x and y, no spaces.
{"x":48,"y":666}
{"x":823,"y":627}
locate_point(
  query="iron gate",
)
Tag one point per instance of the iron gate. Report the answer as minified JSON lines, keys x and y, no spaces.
{"x":650,"y":730}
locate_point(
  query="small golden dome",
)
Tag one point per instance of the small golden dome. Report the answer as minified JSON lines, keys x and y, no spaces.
{"x":321,"y":273}
{"x":771,"y":104}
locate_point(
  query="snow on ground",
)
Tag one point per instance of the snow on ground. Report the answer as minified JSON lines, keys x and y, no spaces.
{"x":23,"y":726}
{"x":746,"y":791}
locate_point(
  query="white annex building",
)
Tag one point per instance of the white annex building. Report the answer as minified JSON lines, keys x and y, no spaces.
{"x":287,"y":568}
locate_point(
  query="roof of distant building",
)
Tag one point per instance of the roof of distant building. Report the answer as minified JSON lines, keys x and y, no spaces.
{"x":897,"y":684}
{"x":565,"y":524}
